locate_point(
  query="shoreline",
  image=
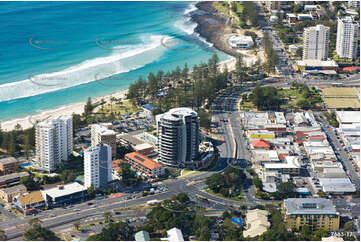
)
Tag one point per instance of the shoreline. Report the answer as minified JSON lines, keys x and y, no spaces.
{"x":207,"y":19}
{"x":78,"y":108}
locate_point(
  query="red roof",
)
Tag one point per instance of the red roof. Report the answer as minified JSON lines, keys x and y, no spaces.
{"x":351,"y":68}
{"x":300,"y":134}
{"x":317,"y":137}
{"x":143,"y":160}
{"x":282,"y":156}
{"x":260,"y":144}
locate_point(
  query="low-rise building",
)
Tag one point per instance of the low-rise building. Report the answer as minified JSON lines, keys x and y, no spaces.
{"x":261,"y":134}
{"x":7,"y":194}
{"x":30,"y":202}
{"x":260,"y":144}
{"x":291,"y":18}
{"x":317,"y":213}
{"x":12,"y":179}
{"x":257,"y":223}
{"x":291,"y":166}
{"x":145,"y":165}
{"x":348,"y":117}
{"x":337,"y":185}
{"x":144,"y":149}
{"x":65,"y":194}
{"x":8,"y":165}
{"x":304,"y":65}
{"x":240,"y":41}
{"x":301,"y":17}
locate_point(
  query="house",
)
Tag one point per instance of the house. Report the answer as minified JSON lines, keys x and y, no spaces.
{"x":291,"y":18}
{"x":30,"y":202}
{"x":65,"y":194}
{"x":261,"y":134}
{"x":8,"y":165}
{"x":144,"y":149}
{"x":7,"y":194}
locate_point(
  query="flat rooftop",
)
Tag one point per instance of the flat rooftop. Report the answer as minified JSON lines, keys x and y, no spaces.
{"x":304,"y":206}
{"x":8,"y":160}
{"x":66,"y":190}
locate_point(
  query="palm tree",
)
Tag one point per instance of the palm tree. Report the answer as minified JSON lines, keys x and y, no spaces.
{"x":2,"y":235}
{"x":76,"y":225}
{"x":107,"y":217}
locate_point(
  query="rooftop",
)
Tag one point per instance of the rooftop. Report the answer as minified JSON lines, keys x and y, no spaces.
{"x":337,"y":185}
{"x":64,"y":190}
{"x":143,"y":160}
{"x":291,"y":163}
{"x":303,"y":206}
{"x":130,"y":139}
{"x":175,"y":234}
{"x":12,"y":176}
{"x":260,"y":143}
{"x":348,"y":116}
{"x":178,"y":113}
{"x":31,"y":197}
{"x":14,"y":189}
{"x":309,"y":62}
{"x":8,"y":160}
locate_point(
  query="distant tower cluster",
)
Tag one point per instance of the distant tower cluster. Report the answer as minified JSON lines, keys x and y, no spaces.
{"x":347,"y":37}
{"x":98,"y":166}
{"x":178,"y":136}
{"x":315,"y":43}
{"x":53,"y":141}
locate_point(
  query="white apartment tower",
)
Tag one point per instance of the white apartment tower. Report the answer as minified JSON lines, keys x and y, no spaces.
{"x":315,"y":43}
{"x":347,"y":37}
{"x":98,"y":166}
{"x":53,"y":141}
{"x":178,"y":136}
{"x":100,"y":134}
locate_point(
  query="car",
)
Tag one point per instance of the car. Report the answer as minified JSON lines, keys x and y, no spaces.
{"x":90,"y":204}
{"x":305,"y":183}
{"x":76,"y":209}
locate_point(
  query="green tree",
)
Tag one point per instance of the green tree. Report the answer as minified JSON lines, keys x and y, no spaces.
{"x":305,"y":233}
{"x":29,"y":183}
{"x":348,"y":226}
{"x":266,"y":98}
{"x":285,"y":190}
{"x":114,"y":231}
{"x":37,"y":233}
{"x":127,"y":174}
{"x":91,"y":192}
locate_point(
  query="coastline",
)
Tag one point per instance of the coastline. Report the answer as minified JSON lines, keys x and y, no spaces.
{"x":77,"y":108}
{"x":209,"y":23}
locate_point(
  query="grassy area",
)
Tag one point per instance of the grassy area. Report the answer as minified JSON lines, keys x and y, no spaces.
{"x":246,"y":106}
{"x":173,"y":171}
{"x":342,"y":103}
{"x":237,"y":199}
{"x":187,"y":173}
{"x":223,"y":7}
{"x":120,"y":108}
{"x":340,"y":92}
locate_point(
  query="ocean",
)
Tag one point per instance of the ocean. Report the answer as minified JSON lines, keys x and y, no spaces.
{"x":54,"y":54}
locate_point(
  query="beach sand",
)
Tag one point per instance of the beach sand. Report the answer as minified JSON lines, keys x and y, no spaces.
{"x":77,"y":108}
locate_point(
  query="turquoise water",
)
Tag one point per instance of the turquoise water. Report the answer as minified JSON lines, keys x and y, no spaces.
{"x":58,"y":53}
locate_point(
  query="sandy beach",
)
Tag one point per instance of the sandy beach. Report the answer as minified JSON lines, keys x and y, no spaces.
{"x":77,"y":108}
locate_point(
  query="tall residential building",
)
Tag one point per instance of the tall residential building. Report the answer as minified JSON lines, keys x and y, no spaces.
{"x":53,"y":141}
{"x":178,"y":136}
{"x":315,"y":43}
{"x":347,"y":37}
{"x":317,"y":213}
{"x":102,"y":135}
{"x":98,"y":166}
